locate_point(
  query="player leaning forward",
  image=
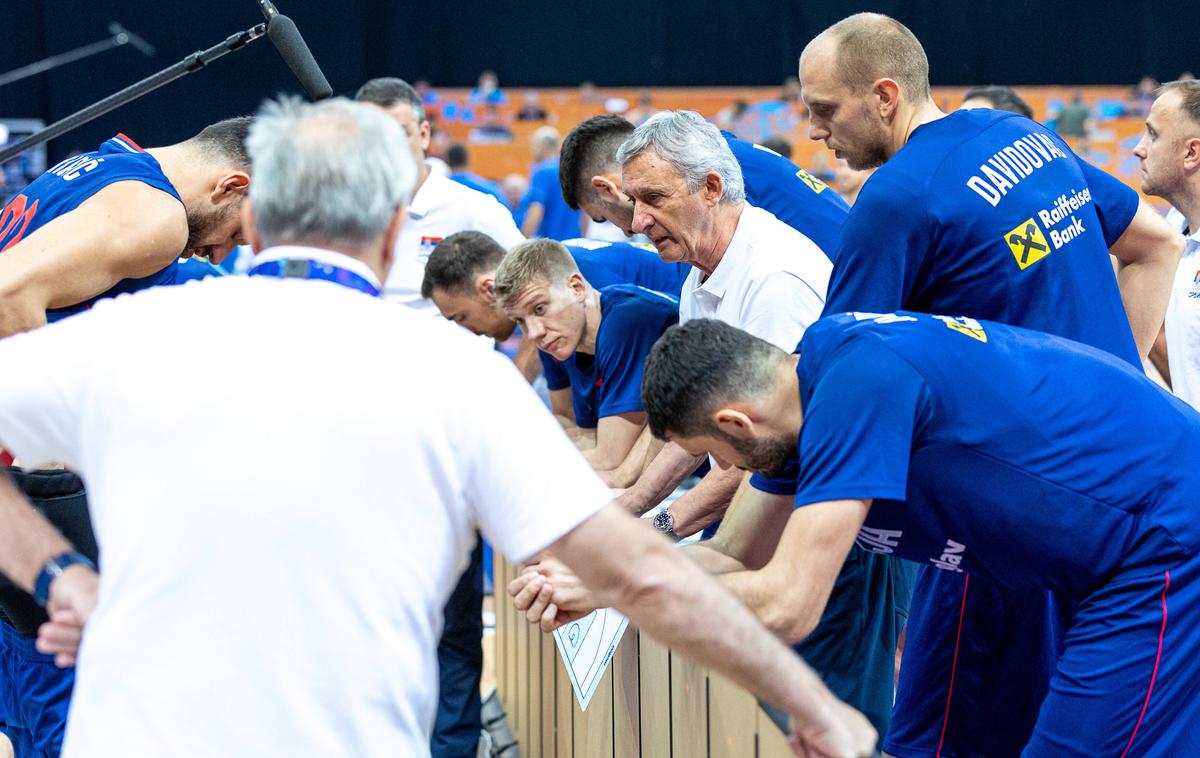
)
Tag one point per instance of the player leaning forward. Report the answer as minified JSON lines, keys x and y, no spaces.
{"x":974,"y":447}
{"x":174,"y":661}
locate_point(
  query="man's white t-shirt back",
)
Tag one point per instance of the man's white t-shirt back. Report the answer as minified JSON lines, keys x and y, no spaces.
{"x":275,"y":562}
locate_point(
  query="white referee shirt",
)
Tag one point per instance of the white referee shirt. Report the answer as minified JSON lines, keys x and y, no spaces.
{"x":276,"y":562}
{"x":1183,"y":317}
{"x":771,"y":282}
{"x":440,"y":208}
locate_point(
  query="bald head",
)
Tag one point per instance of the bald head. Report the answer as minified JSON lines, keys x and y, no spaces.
{"x":867,"y":47}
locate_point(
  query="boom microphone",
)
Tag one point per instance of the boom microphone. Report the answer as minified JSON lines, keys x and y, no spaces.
{"x":283,"y":33}
{"x":124,"y":36}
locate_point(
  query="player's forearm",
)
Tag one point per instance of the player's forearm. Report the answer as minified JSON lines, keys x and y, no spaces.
{"x":660,"y":478}
{"x":532,"y":220}
{"x":712,"y":560}
{"x":1145,"y":290}
{"x":706,"y":502}
{"x":27,"y":540}
{"x":675,"y":602}
{"x":1158,"y":357}
{"x":791,"y":613}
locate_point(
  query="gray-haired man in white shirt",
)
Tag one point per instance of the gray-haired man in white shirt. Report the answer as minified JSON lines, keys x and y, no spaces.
{"x":750,"y":270}
{"x":268,"y":606}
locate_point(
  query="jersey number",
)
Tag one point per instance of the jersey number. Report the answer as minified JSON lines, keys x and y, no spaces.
{"x":15,"y":220}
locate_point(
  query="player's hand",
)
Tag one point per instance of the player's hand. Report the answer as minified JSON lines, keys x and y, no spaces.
{"x":846,"y":733}
{"x":550,"y":595}
{"x":72,"y":600}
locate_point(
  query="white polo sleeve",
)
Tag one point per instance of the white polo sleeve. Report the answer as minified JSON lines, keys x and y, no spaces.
{"x":496,"y":221}
{"x":780,"y":307}
{"x":527,"y":483}
{"x":43,"y":379}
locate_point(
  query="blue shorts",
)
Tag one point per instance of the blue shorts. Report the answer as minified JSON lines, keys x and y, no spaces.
{"x":977,"y":664}
{"x":35,"y":696}
{"x":1128,"y":680}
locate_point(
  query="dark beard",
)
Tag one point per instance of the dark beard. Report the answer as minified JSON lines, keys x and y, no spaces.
{"x":769,"y":456}
{"x":200,"y":225}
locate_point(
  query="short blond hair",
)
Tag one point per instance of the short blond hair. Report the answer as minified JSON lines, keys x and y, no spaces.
{"x":872,"y":46}
{"x":533,"y":261}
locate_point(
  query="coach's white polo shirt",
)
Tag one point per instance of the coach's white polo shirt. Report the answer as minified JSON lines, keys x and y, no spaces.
{"x":1183,"y":317}
{"x":276,"y":562}
{"x":440,"y":208}
{"x":771,"y":282}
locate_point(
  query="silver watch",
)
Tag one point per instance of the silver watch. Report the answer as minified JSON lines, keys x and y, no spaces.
{"x":664,"y":522}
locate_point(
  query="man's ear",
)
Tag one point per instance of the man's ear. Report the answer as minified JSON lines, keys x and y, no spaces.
{"x":231,"y":186}
{"x":887,"y":93}
{"x":734,"y":422}
{"x":714,"y":187}
{"x":577,"y":285}
{"x":249,"y":232}
{"x":486,"y":285}
{"x":1191,"y":156}
{"x":607,"y":188}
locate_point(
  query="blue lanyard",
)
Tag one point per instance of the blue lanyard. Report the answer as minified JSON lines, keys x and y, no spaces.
{"x":302,"y":268}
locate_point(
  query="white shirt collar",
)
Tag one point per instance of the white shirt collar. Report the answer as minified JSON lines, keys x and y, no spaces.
{"x":429,"y":195}
{"x":722,"y":276}
{"x":320,"y":255}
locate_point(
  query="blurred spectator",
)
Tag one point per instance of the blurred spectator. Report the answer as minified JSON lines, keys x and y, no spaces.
{"x":491,"y":126}
{"x":531,"y":107}
{"x":514,"y":188}
{"x":644,"y":110}
{"x":729,"y":117}
{"x":488,"y":90}
{"x":1074,"y":118}
{"x":458,"y":160}
{"x":779,"y":145}
{"x":1142,"y":96}
{"x":428,"y":96}
{"x":849,"y":182}
{"x":547,"y":214}
{"x":588,"y":94}
{"x":1187,"y":76}
{"x":791,"y":92}
{"x":997,"y":97}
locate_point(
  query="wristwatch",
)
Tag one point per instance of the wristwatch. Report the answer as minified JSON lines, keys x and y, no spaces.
{"x":664,"y":522}
{"x":52,"y":570}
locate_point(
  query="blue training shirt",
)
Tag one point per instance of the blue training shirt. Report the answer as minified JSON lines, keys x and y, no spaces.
{"x":1032,"y":459}
{"x":632,"y":319}
{"x":559,"y":222}
{"x":791,"y":194}
{"x":604,"y":264}
{"x":989,"y":214}
{"x":65,"y":187}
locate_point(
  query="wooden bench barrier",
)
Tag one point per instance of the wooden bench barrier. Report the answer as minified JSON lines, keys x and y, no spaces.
{"x":650,"y":703}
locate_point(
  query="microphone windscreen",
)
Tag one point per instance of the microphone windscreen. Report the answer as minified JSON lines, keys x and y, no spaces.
{"x":286,"y":37}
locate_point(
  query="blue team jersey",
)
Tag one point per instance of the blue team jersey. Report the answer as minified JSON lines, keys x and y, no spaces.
{"x":791,"y":194}
{"x":988,"y":214}
{"x":609,"y":382}
{"x":604,"y":264}
{"x":1037,"y":461}
{"x":479,"y":184}
{"x":559,"y":222}
{"x":65,"y":187}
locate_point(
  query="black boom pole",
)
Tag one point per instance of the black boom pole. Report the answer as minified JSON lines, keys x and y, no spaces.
{"x":193,"y":62}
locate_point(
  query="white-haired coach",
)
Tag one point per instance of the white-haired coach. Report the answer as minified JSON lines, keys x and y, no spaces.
{"x":267,"y":602}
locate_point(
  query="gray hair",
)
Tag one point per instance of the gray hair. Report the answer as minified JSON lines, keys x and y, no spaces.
{"x":332,"y":172}
{"x":690,"y":144}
